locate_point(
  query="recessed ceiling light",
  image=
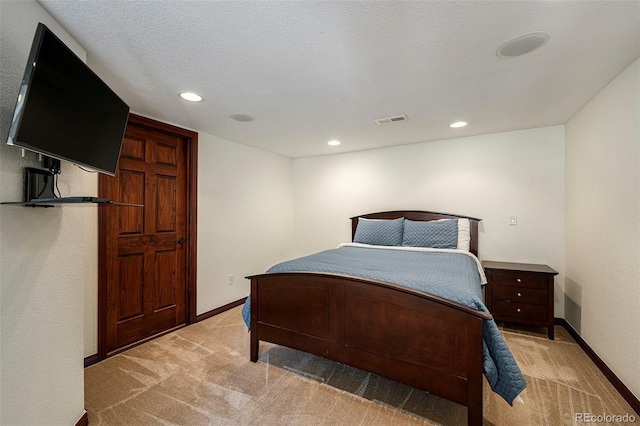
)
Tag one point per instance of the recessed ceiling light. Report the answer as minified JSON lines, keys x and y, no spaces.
{"x":333,"y":143}
{"x":241,"y":117}
{"x":522,"y":44}
{"x":458,"y":124}
{"x":190,"y":96}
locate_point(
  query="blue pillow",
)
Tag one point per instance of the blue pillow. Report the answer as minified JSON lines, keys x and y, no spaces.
{"x":379,"y":232}
{"x":434,"y":234}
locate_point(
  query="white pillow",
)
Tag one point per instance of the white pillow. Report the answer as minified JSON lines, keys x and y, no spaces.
{"x":464,"y":234}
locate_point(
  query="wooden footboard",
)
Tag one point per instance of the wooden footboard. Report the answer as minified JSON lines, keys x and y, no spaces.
{"x":412,"y":337}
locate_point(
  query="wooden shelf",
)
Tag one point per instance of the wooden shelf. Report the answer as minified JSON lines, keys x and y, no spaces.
{"x":52,"y":202}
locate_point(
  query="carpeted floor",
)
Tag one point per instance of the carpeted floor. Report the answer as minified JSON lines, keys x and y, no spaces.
{"x":201,"y":375}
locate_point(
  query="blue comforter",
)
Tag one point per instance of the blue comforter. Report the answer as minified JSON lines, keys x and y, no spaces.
{"x":451,"y":275}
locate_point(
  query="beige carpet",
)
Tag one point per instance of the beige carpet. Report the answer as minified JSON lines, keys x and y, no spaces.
{"x":201,"y":375}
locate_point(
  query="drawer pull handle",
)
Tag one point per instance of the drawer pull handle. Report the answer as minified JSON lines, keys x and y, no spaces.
{"x":518,"y":310}
{"x":519,"y":280}
{"x":519,"y":294}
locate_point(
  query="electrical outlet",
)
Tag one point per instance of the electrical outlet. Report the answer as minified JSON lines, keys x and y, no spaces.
{"x":513,"y":219}
{"x":231,"y":279}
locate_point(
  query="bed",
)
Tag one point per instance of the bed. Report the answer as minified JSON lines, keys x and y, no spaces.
{"x":426,"y":336}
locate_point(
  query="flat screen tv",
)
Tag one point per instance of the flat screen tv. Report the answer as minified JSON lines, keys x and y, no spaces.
{"x":65,"y":111}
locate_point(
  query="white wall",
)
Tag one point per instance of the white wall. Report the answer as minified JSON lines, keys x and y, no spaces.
{"x":487,"y":177}
{"x":245,"y":217}
{"x":90,"y":264}
{"x":41,"y":261}
{"x":603,"y":225}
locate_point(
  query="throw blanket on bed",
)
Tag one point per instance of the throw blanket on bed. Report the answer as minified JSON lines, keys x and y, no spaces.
{"x":451,"y":274}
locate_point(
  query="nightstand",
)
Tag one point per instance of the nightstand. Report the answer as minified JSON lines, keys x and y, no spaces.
{"x":521,"y":293}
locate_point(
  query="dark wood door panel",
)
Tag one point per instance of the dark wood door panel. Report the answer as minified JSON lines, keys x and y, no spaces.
{"x":166,"y":154}
{"x":133,"y":147}
{"x":166,"y":193}
{"x":129,"y":244}
{"x":131,"y":190}
{"x":141,"y":326}
{"x":165,"y":288}
{"x":130,"y":294}
{"x":146,"y":281}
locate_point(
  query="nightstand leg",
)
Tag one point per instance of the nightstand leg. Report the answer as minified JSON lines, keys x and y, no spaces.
{"x":550,"y":332}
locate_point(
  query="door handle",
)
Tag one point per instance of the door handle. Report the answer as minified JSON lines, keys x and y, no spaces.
{"x":180,"y":240}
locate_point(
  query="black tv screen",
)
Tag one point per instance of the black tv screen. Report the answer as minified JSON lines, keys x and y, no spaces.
{"x":64,"y":110}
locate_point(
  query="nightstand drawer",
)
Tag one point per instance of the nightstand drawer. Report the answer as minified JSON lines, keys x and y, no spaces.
{"x":520,"y":279}
{"x":518,"y":311}
{"x":520,"y":294}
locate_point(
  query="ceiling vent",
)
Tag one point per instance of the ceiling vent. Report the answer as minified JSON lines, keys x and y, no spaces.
{"x":389,"y":120}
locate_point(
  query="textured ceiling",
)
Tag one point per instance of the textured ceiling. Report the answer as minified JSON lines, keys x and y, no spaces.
{"x":310,"y":71}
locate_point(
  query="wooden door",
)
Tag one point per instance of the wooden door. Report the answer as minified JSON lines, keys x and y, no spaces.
{"x":145,"y":256}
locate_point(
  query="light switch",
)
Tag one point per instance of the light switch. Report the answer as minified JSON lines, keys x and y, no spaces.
{"x":513,"y":219}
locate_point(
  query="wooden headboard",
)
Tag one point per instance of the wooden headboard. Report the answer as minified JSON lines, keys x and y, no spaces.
{"x":424,"y":217}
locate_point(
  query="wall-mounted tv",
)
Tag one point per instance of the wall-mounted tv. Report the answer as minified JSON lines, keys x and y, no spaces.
{"x":65,"y":111}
